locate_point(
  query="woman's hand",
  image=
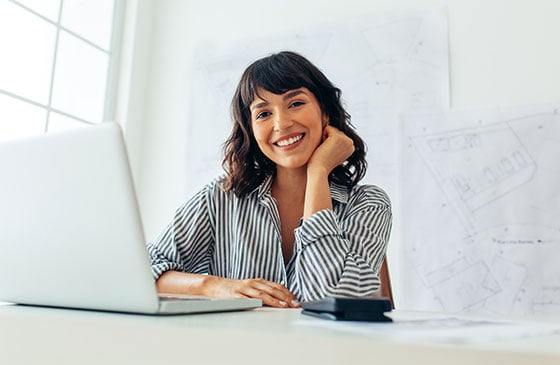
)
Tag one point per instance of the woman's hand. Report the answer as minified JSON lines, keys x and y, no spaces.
{"x":272,"y":294}
{"x":335,"y":149}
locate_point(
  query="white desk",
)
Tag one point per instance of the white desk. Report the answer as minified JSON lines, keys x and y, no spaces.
{"x":32,"y":335}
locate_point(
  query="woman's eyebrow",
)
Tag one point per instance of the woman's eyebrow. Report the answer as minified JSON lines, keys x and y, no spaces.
{"x":291,"y":94}
{"x":286,"y":96}
{"x":258,"y":105}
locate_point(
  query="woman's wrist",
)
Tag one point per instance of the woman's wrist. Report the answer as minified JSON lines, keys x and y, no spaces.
{"x":317,"y":171}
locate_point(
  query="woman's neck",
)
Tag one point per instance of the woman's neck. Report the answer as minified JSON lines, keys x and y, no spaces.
{"x":290,"y":183}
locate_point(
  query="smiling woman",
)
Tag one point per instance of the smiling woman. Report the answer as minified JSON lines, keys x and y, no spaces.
{"x":289,"y":221}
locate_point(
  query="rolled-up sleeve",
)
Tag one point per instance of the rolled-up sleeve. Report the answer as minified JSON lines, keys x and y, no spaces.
{"x":185,"y":242}
{"x":339,"y":253}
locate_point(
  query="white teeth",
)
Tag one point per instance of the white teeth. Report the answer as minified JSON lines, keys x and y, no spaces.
{"x":289,"y":141}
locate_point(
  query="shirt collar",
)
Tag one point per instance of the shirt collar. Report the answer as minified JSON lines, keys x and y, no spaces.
{"x":338,"y":192}
{"x":265,"y":187}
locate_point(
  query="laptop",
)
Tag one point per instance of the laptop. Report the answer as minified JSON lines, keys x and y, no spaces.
{"x":70,"y":228}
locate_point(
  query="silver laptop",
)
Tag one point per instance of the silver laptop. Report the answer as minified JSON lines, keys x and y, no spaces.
{"x":70,"y":229}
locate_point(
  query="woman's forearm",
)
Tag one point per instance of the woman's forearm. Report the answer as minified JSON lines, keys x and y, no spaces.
{"x":176,"y":282}
{"x":272,"y":294}
{"x":317,"y":192}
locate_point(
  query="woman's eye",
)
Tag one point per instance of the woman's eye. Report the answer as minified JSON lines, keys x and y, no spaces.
{"x":296,"y":104}
{"x":262,"y":115}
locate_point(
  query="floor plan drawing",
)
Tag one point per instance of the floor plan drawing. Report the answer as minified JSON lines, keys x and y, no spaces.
{"x":481,"y":196}
{"x":476,"y":166}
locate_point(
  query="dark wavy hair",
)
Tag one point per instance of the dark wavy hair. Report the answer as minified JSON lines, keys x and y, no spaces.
{"x":244,"y":163}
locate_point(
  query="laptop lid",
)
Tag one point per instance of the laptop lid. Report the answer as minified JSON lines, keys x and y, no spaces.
{"x":70,"y":229}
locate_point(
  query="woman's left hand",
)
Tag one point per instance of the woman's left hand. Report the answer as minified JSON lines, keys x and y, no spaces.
{"x":333,"y":151}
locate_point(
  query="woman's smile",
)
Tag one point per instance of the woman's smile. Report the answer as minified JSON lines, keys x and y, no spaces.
{"x":290,"y":141}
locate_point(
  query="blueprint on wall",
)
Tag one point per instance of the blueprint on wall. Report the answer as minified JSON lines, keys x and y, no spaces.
{"x":481,"y":210}
{"x":383,"y":64}
{"x":477,"y":220}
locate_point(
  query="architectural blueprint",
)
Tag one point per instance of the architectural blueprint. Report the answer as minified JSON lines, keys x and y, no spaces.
{"x":481,"y":210}
{"x":383,"y":64}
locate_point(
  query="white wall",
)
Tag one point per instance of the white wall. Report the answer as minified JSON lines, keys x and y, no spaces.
{"x":502,"y":52}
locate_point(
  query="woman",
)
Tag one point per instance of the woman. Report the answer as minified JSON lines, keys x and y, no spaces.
{"x":288,"y":222}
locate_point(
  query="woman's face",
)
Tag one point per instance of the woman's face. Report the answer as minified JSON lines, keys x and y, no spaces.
{"x":288,"y":127}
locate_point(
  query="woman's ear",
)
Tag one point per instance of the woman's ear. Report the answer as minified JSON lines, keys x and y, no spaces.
{"x":325,"y":120}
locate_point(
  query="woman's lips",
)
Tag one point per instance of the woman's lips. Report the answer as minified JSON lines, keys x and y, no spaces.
{"x":289,"y":140}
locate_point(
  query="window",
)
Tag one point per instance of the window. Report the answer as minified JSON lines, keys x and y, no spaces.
{"x":57,"y":64}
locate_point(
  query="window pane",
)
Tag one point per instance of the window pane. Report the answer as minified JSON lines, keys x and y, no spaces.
{"x":47,"y":8}
{"x":20,"y":119}
{"x":80,"y":79}
{"x":59,"y":122}
{"x":91,"y":19}
{"x":27,"y":46}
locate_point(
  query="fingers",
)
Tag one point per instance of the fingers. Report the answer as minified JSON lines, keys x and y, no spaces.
{"x":334,"y":150}
{"x":341,"y":139}
{"x":272,"y":294}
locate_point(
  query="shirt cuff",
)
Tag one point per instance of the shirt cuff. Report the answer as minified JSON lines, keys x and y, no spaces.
{"x":320,"y":224}
{"x":159,"y":269}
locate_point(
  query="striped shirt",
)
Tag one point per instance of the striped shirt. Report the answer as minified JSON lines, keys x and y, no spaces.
{"x":336,"y":252}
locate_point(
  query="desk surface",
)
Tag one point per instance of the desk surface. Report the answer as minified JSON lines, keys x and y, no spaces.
{"x":31,"y":335}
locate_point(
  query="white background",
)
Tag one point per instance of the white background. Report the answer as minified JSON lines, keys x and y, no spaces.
{"x":502,"y":52}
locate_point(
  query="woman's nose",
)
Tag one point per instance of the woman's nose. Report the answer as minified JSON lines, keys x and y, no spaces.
{"x":282,"y":121}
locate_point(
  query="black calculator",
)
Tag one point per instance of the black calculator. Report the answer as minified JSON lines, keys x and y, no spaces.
{"x":349,"y":309}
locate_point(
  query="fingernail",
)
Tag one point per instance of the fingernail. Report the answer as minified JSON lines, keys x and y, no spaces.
{"x":282,"y":303}
{"x":295,"y":303}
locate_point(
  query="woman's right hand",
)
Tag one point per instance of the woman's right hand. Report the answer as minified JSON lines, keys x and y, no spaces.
{"x":272,"y":294}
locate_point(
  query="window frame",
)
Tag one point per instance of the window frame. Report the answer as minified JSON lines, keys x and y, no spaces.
{"x":112,"y":72}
